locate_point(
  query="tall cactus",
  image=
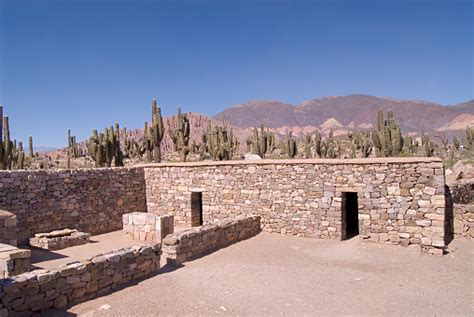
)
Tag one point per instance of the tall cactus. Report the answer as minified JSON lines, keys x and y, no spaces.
{"x":262,"y":143}
{"x":30,"y":147}
{"x":179,"y":132}
{"x":387,"y":138}
{"x":428,"y":145}
{"x":291,"y":145}
{"x":219,"y":142}
{"x":308,"y":145}
{"x":157,"y":131}
{"x":317,"y":143}
{"x":7,"y":145}
{"x":469,"y":138}
{"x":104,"y":148}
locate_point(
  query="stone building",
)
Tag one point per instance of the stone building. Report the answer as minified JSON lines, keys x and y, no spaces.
{"x":385,"y":200}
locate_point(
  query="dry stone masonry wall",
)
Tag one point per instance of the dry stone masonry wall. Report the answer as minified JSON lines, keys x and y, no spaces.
{"x":190,"y":244}
{"x":89,"y":200}
{"x":147,"y":227}
{"x":13,"y":261}
{"x":400,"y":201}
{"x":463,"y":221}
{"x":40,"y":290}
{"x":8,"y":228}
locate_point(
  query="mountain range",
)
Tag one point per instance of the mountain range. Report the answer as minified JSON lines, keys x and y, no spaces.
{"x":344,"y":113}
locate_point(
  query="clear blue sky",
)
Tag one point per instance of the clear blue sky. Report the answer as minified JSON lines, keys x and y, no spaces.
{"x":86,"y":64}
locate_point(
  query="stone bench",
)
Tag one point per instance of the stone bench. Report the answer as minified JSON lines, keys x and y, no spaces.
{"x":147,"y":227}
{"x":59,"y":239}
{"x":13,"y":261}
{"x":8,"y":229}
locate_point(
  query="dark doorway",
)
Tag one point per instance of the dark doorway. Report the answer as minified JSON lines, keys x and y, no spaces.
{"x":196,"y":209}
{"x":350,"y":215}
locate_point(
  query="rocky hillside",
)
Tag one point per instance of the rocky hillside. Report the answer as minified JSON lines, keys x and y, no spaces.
{"x":350,"y":112}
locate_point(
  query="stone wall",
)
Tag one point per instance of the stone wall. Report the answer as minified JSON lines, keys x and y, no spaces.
{"x":462,"y":191}
{"x":13,"y":261}
{"x":190,"y":244}
{"x":8,"y":228}
{"x":40,"y":290}
{"x":91,"y":200}
{"x":400,"y":200}
{"x":463,"y":221}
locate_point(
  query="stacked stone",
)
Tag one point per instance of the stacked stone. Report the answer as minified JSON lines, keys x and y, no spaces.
{"x":59,"y":239}
{"x":13,"y":261}
{"x":401,"y":200}
{"x":147,"y":227}
{"x":463,"y":221}
{"x":190,"y":244}
{"x":91,"y":200}
{"x":40,"y":290}
{"x":8,"y":228}
{"x":462,"y":191}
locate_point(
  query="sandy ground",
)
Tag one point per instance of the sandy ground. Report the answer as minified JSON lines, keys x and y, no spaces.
{"x":273,"y":275}
{"x":98,"y":244}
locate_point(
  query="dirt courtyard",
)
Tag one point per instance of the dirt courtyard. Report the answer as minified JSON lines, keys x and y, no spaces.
{"x":272,"y":275}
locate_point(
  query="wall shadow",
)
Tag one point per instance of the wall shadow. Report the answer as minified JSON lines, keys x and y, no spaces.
{"x":448,"y":216}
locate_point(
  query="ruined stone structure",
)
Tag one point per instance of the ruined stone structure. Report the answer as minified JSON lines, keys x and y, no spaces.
{"x":13,"y":261}
{"x":40,"y":290}
{"x":91,"y":200}
{"x":385,"y":200}
{"x":8,"y":228}
{"x":59,"y":239}
{"x":395,"y":200}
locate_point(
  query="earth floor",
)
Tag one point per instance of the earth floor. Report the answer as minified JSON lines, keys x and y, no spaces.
{"x":272,"y":275}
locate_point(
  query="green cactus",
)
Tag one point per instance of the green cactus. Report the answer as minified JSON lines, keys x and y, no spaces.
{"x":261,"y":143}
{"x":428,"y":145}
{"x":469,"y":138}
{"x":104,"y":148}
{"x":179,"y":132}
{"x":317,"y":143}
{"x":387,"y":138}
{"x":456,"y":143}
{"x":30,"y":146}
{"x":308,"y":146}
{"x":291,"y":145}
{"x":157,"y":131}
{"x":7,"y":145}
{"x":219,"y":142}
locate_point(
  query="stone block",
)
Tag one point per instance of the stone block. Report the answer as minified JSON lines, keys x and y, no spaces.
{"x":147,"y":227}
{"x":13,"y":261}
{"x":59,"y":239}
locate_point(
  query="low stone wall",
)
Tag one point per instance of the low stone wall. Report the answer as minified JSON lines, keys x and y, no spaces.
{"x":190,"y":244}
{"x":91,"y":200}
{"x":59,"y":239}
{"x":13,"y":261}
{"x":462,"y":191}
{"x":8,"y":228}
{"x":463,"y":221}
{"x":40,"y":290}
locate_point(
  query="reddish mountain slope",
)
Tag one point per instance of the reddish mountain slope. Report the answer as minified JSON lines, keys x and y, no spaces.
{"x":351,"y":111}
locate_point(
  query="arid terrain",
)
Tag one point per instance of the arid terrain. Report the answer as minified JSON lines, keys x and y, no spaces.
{"x":274,"y":275}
